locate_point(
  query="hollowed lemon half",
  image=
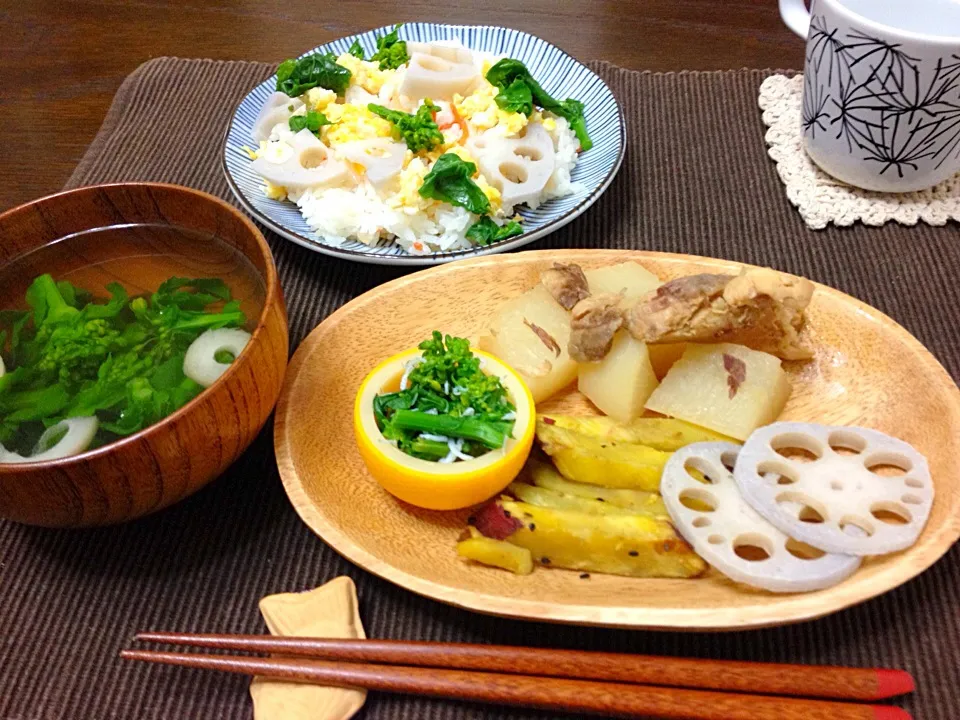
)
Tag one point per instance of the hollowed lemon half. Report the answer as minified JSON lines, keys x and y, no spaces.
{"x":434,"y":485}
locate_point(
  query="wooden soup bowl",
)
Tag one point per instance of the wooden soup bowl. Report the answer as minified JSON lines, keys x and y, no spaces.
{"x":140,"y":234}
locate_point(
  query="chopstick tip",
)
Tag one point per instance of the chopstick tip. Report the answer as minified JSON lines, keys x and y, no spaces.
{"x":888,"y":712}
{"x":891,"y":683}
{"x":143,"y":655}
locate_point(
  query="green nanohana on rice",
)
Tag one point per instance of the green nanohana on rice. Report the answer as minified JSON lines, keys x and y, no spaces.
{"x":430,"y":145}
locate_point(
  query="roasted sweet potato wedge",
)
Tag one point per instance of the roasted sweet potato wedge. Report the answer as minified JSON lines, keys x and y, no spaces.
{"x":543,"y":497}
{"x":497,"y":553}
{"x":637,"y":502}
{"x":616,"y":544}
{"x":664,"y":434}
{"x":601,"y":462}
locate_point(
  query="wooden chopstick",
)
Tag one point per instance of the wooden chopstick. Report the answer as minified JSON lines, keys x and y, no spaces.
{"x":839,"y":683}
{"x":546,"y":693}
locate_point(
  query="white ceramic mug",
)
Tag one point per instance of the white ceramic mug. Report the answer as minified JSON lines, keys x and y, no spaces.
{"x":881,"y":90}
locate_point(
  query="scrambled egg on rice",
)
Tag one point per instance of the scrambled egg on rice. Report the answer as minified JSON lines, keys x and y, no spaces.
{"x":418,"y":223}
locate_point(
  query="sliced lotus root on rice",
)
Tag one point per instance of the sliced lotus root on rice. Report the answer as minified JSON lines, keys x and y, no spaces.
{"x":860,"y":492}
{"x":726,"y":532}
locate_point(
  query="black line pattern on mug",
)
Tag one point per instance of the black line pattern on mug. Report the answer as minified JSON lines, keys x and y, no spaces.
{"x":896,"y":119}
{"x":814,"y":102}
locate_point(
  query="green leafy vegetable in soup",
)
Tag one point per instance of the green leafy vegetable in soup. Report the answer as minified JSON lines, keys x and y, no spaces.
{"x":447,"y":408}
{"x":519,"y":92}
{"x":295,"y":77}
{"x":391,"y":50}
{"x":120,"y":361}
{"x":450,"y":180}
{"x":419,"y":131}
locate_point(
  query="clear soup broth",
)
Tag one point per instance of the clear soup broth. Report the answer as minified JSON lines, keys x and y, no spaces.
{"x":139,"y":257}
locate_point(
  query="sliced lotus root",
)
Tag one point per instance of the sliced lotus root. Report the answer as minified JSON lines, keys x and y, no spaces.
{"x":840,"y":489}
{"x":706,"y":506}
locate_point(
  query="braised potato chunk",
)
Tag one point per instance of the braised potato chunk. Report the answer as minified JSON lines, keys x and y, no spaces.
{"x":630,"y":280}
{"x":619,"y":384}
{"x":727,"y":388}
{"x":530,"y":334}
{"x":662,"y":357}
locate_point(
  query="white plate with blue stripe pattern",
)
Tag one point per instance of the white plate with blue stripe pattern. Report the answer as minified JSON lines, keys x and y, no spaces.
{"x":560,"y":75}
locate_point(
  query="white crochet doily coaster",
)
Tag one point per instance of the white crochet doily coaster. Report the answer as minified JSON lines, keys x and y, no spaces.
{"x":821,"y":199}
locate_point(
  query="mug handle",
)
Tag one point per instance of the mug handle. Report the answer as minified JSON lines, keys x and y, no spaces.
{"x":796,"y":16}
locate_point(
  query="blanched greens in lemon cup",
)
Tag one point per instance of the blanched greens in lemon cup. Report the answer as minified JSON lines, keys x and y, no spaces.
{"x":447,"y":409}
{"x":443,"y":426}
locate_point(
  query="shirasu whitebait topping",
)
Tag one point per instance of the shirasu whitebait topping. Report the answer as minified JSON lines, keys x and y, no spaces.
{"x":407,"y":369}
{"x":456,"y":450}
{"x":726,"y":532}
{"x":839,"y":502}
{"x":435,"y":438}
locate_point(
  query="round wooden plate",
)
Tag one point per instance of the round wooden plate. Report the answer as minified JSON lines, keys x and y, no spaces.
{"x":867,"y":371}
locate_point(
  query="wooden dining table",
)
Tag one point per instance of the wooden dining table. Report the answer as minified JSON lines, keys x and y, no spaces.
{"x":62,"y":62}
{"x":697,"y":179}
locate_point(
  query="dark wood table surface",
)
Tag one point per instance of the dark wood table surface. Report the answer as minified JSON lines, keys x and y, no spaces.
{"x":62,"y":62}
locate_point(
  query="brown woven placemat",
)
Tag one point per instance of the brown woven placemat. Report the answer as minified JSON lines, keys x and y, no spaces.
{"x":696,"y":179}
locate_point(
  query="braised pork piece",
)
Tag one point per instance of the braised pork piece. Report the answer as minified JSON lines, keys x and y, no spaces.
{"x":566,"y":283}
{"x":760,"y":308}
{"x":593,"y":322}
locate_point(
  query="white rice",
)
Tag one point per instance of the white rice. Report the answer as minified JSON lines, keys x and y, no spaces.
{"x":338,"y":214}
{"x":566,"y":143}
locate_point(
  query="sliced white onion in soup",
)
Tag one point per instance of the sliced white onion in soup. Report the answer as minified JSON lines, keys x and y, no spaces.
{"x":65,"y":439}
{"x":862,"y":493}
{"x":200,"y":363}
{"x":435,"y":77}
{"x":518,"y":167}
{"x":726,"y":532}
{"x":278,"y":108}
{"x":382,"y":158}
{"x":311,"y":165}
